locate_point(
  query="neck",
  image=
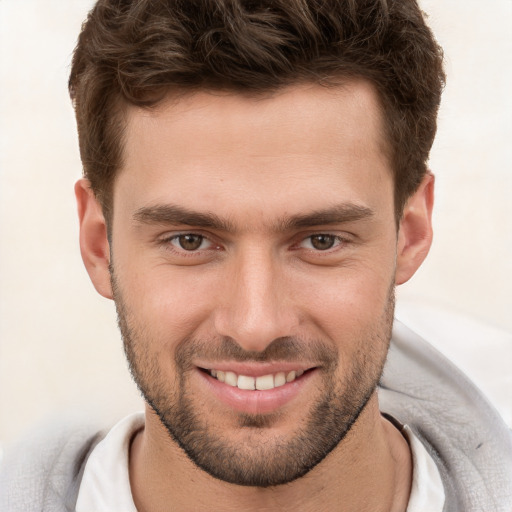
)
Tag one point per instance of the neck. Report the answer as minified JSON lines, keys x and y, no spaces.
{"x":370,"y":470}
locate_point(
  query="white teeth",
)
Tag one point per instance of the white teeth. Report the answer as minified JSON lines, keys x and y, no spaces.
{"x":231,"y":379}
{"x":279,"y":379}
{"x":291,"y":376}
{"x":245,"y":382}
{"x":265,"y":382}
{"x":261,"y":383}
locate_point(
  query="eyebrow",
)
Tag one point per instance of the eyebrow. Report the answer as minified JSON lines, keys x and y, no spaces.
{"x":338,"y":214}
{"x":177,"y":215}
{"x":174,"y":215}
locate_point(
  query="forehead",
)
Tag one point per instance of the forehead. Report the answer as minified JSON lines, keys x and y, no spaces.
{"x":307,"y":145}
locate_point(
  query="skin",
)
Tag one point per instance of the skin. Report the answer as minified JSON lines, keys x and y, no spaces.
{"x":260,"y":165}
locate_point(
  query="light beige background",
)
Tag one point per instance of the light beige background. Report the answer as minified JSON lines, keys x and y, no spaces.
{"x":59,"y":346}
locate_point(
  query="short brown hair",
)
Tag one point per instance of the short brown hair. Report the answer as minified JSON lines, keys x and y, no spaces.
{"x":136,"y":51}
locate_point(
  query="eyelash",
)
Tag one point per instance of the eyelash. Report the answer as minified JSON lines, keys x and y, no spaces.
{"x":168,"y":243}
{"x":337,"y":242}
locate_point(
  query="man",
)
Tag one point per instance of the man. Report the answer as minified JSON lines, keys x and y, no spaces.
{"x":255,"y":187}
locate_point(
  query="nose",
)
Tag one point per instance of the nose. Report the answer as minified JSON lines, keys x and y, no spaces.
{"x":256,"y":306}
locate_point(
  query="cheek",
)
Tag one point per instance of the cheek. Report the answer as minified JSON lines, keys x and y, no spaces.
{"x":350,"y":304}
{"x":171,"y":305}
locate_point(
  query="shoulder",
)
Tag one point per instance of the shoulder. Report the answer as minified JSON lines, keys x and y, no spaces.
{"x":44,"y":469}
{"x":462,"y":431}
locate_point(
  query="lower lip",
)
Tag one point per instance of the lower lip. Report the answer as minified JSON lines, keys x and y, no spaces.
{"x":255,"y":401}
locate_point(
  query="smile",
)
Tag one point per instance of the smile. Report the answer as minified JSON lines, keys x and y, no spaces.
{"x":255,"y":388}
{"x":261,"y":383}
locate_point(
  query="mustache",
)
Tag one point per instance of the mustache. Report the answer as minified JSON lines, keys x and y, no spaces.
{"x":281,"y":349}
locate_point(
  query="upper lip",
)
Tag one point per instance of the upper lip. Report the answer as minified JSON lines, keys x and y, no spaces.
{"x":253,"y":369}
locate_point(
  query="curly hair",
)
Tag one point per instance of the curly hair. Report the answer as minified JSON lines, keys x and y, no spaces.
{"x":138,"y":51}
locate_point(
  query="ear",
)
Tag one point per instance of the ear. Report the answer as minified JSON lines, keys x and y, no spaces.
{"x":415,"y":231}
{"x":94,"y":244}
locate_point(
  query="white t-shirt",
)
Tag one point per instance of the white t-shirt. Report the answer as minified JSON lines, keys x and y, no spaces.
{"x":105,"y":484}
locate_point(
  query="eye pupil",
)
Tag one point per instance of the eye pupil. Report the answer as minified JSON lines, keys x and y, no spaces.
{"x":190,"y":242}
{"x":322,"y":242}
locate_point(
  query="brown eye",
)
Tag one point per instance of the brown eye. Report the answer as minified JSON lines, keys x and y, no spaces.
{"x":322,"y":242}
{"x":190,"y":242}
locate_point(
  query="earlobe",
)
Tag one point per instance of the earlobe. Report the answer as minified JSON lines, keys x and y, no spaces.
{"x":94,"y":245}
{"x":415,"y":231}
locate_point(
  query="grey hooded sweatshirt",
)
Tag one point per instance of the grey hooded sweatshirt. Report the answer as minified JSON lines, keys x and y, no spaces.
{"x":466,"y":437}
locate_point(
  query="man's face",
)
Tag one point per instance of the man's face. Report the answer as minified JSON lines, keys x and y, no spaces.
{"x":254,"y":242}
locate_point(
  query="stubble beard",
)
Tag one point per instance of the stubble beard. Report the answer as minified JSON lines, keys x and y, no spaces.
{"x":262,"y":460}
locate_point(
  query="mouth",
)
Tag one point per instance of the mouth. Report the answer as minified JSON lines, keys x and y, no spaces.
{"x":260,"y":383}
{"x":252,"y":389}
